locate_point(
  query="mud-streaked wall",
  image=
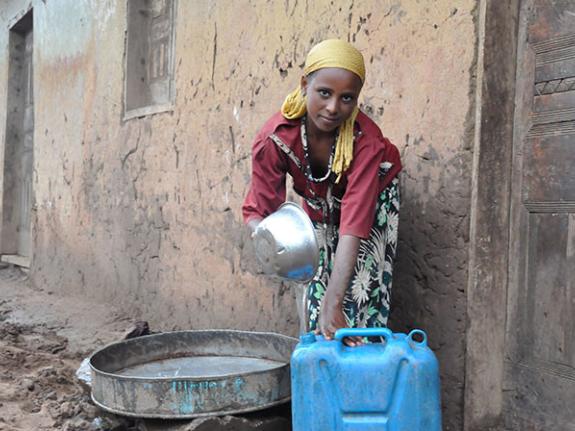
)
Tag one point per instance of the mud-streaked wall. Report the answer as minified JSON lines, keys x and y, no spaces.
{"x":145,"y":213}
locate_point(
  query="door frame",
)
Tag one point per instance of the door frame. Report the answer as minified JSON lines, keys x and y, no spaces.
{"x":22,"y":261}
{"x":497,"y":31}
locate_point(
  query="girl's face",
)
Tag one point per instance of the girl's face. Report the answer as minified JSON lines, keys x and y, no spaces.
{"x":331,"y":96}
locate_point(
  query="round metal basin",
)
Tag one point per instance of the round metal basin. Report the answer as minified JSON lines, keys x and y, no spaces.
{"x":189,"y":374}
{"x":286,"y":244}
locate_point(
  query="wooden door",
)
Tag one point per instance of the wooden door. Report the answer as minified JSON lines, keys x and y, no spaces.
{"x":539,"y":379}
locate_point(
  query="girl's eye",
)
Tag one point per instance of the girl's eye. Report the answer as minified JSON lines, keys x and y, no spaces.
{"x":347,"y":99}
{"x":323,"y":93}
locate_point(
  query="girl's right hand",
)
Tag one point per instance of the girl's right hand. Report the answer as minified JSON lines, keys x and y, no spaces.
{"x":332,"y":318}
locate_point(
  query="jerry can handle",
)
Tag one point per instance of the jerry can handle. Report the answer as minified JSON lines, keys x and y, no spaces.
{"x":421,"y":334}
{"x":340,"y":334}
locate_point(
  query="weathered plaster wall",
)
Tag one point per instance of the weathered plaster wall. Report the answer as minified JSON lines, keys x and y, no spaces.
{"x":145,"y":213}
{"x":431,"y":118}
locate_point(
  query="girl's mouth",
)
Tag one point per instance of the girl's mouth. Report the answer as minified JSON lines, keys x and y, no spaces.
{"x":330,"y":121}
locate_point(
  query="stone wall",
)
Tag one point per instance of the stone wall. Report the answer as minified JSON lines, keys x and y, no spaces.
{"x":145,"y":212}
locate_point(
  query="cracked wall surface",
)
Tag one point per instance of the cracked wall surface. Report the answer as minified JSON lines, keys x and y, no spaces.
{"x":145,"y":213}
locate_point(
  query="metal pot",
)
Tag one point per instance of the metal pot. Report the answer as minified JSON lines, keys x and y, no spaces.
{"x":286,"y":244}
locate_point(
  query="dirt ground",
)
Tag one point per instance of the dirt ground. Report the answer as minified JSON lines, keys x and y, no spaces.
{"x":43,"y":340}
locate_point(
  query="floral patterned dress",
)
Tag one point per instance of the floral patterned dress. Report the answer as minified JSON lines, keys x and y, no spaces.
{"x":367,"y":299}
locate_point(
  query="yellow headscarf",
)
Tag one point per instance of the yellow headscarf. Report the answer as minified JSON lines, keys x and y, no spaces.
{"x":330,"y":53}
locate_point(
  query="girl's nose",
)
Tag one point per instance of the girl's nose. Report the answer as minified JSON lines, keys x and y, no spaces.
{"x":332,"y":106}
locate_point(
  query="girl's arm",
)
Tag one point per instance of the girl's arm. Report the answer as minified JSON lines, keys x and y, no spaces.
{"x":331,"y":313}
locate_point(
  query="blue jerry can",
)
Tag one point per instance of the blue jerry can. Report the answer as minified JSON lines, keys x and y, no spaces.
{"x":389,"y":386}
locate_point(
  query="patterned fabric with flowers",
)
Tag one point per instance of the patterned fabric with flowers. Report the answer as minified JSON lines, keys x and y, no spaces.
{"x":367,"y":299}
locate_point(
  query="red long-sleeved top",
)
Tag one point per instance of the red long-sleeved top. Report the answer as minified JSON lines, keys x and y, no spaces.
{"x":358,"y":188}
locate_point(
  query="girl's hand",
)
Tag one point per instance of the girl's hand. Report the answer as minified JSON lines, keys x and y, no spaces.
{"x":253,"y":224}
{"x":332,"y":318}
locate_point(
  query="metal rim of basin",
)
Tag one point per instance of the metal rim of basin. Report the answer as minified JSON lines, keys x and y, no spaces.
{"x":181,"y":397}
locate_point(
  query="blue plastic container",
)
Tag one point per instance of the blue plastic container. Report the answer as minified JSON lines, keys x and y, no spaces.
{"x":389,"y":386}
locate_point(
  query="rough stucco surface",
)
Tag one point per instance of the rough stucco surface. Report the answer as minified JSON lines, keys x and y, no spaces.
{"x":145,"y":213}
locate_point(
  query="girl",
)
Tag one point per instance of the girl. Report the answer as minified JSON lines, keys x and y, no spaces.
{"x":346,"y":173}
